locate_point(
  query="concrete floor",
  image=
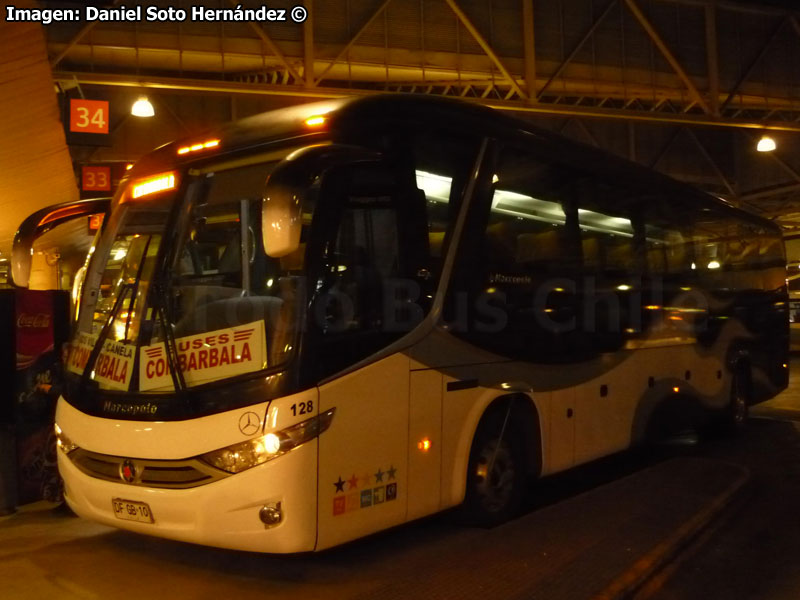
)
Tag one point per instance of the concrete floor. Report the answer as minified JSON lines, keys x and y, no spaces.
{"x":755,"y":553}
{"x":575,"y":547}
{"x":580,"y":534}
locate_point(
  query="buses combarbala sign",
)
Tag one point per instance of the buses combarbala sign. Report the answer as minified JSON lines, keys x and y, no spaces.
{"x":201,"y":358}
{"x":205,"y":357}
{"x":114,"y":364}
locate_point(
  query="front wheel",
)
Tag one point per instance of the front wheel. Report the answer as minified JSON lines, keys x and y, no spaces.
{"x":497,"y":471}
{"x":739,"y":405}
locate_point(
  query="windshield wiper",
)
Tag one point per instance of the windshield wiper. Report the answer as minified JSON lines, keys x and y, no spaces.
{"x":125,"y":288}
{"x":161,"y":308}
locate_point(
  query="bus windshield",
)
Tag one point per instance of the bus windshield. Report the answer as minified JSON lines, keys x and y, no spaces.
{"x":165,"y":309}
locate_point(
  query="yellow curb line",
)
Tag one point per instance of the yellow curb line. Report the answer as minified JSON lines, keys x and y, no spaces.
{"x":651,"y":562}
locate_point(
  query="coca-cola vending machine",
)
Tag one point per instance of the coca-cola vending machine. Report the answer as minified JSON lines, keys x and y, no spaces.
{"x":35,"y":324}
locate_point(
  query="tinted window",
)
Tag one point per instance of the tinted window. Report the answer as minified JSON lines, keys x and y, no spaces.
{"x":383,"y":229}
{"x":515,"y":288}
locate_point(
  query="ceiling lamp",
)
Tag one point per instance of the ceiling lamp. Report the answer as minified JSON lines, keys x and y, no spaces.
{"x":142,"y":108}
{"x":766,"y":144}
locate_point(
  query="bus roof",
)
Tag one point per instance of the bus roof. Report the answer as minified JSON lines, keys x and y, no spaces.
{"x":427,"y":112}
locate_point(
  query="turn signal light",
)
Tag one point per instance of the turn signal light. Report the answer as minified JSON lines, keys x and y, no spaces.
{"x":63,"y":442}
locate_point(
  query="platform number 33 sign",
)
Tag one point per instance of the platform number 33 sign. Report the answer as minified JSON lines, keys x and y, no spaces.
{"x":88,"y":116}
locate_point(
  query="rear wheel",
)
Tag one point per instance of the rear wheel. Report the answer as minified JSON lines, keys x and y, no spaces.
{"x":497,"y":470}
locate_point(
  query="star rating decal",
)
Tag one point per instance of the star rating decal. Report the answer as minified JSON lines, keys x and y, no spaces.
{"x":360,"y":491}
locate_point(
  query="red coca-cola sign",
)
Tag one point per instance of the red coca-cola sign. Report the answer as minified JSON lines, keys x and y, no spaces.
{"x":33,"y":321}
{"x":34,"y":325}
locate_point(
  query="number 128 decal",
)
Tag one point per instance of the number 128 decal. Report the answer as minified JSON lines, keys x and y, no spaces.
{"x":302,"y":408}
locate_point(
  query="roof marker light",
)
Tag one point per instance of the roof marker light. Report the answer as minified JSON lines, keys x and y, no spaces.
{"x":315,"y":121}
{"x":199,"y":146}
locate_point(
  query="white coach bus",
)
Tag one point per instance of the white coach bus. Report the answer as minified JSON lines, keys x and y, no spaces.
{"x":328,"y":320}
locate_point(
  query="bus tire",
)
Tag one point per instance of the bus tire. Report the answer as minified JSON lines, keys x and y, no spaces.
{"x":739,"y":404}
{"x":497,"y":471}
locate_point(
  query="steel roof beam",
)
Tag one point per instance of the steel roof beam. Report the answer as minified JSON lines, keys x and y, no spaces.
{"x":300,"y":91}
{"x":76,"y":39}
{"x":578,"y":47}
{"x":485,"y":46}
{"x":733,"y":5}
{"x":667,"y":53}
{"x":711,"y":162}
{"x":753,"y":63}
{"x":381,"y":7}
{"x":259,"y":31}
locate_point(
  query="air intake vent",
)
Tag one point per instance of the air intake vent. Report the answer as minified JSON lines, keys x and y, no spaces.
{"x":174,"y":474}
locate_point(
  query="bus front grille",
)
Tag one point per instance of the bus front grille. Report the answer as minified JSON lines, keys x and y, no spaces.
{"x":175,"y":474}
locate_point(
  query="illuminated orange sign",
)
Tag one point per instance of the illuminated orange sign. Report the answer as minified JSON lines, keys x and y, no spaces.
{"x":88,"y":116}
{"x":153,"y":185}
{"x":95,"y":221}
{"x":96,"y":179}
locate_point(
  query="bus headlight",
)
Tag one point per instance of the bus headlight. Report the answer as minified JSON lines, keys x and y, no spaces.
{"x":245,"y":455}
{"x":63,"y":442}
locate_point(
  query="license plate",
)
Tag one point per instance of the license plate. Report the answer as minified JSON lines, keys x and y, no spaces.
{"x":129,"y":510}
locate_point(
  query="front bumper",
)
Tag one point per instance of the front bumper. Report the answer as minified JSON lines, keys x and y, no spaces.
{"x":224,"y":513}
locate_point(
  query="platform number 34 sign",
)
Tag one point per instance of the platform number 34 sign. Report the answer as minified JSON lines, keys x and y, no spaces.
{"x":88,"y":116}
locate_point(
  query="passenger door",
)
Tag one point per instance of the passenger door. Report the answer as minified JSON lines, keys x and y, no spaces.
{"x":363,"y":468}
{"x":382,"y":238}
{"x":362,"y":238}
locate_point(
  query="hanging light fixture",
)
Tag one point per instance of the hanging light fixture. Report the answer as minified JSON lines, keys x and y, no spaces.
{"x":766,"y":144}
{"x":142,"y":108}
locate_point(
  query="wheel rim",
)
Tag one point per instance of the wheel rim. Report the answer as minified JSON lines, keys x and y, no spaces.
{"x":495,"y":475}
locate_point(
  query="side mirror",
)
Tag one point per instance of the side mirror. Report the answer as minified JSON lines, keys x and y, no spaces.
{"x":287,"y":189}
{"x":40,"y":223}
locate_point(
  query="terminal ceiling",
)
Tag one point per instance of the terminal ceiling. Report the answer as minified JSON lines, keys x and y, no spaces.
{"x":684,"y":86}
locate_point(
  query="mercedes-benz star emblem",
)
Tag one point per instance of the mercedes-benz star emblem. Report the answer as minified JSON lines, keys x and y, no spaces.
{"x":249,"y":423}
{"x":127,"y":471}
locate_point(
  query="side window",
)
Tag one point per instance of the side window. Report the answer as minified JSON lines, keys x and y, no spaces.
{"x":386,"y":228}
{"x":668,"y":249}
{"x":612,"y":262}
{"x":436,"y":163}
{"x":364,"y":258}
{"x":441,"y":163}
{"x":515,"y":289}
{"x":609,"y":243}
